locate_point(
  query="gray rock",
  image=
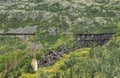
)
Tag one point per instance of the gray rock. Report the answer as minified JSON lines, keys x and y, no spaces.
{"x":32,"y":45}
{"x":39,"y":46}
{"x":51,"y":31}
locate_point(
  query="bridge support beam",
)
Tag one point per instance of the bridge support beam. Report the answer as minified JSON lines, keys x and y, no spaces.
{"x":34,"y":62}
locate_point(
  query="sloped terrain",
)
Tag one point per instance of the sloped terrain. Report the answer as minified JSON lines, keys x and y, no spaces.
{"x":55,"y":22}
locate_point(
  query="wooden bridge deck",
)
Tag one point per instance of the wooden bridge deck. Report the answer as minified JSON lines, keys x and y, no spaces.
{"x":17,"y":33}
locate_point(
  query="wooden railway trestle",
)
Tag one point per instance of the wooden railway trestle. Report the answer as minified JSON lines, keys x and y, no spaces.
{"x":15,"y":62}
{"x":81,"y":40}
{"x":88,"y":40}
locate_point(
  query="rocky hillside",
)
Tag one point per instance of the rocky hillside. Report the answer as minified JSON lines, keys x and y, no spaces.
{"x":66,"y":14}
{"x":54,"y":21}
{"x":58,"y":17}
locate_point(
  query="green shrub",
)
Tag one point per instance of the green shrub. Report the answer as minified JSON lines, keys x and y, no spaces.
{"x":42,"y":74}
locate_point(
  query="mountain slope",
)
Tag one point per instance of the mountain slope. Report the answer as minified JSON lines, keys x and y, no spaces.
{"x":55,"y":22}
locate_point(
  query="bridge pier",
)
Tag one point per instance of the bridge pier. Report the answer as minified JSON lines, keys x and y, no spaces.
{"x":34,"y":62}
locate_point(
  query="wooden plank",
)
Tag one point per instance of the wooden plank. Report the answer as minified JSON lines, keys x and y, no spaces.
{"x":17,"y":33}
{"x":94,"y":34}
